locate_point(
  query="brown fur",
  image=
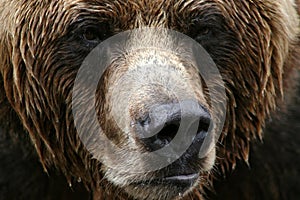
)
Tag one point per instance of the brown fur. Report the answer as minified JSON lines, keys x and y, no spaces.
{"x":258,"y":65}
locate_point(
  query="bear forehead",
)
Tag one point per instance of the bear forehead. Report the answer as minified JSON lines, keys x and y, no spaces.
{"x":59,"y":14}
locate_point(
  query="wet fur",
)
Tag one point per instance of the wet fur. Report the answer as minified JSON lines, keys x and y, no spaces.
{"x":253,"y":94}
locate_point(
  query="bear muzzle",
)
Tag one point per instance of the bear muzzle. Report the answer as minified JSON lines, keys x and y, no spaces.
{"x":158,"y":127}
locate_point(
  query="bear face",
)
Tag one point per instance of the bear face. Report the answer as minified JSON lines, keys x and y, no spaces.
{"x":43,"y":45}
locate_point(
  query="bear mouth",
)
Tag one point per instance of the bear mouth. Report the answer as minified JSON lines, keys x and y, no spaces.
{"x":184,"y":181}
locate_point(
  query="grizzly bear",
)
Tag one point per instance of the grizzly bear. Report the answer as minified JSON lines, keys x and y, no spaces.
{"x":181,"y":94}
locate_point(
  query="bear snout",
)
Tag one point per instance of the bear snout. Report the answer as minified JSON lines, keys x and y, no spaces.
{"x":158,"y":127}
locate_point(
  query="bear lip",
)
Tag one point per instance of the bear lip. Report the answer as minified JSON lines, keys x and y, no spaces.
{"x":182,"y":181}
{"x":182,"y":177}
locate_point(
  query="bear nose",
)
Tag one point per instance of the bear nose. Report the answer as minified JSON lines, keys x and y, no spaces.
{"x":159,"y":126}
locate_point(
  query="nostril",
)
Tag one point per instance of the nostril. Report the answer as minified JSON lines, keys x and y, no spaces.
{"x":169,"y":131}
{"x":143,"y":122}
{"x":203,"y":127}
{"x":154,"y":135}
{"x":159,"y":127}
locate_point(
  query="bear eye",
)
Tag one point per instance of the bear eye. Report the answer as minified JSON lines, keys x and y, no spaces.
{"x":93,"y":35}
{"x":90,"y":35}
{"x":203,"y":29}
{"x":198,"y":30}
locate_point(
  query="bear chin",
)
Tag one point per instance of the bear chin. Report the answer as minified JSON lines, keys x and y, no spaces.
{"x":161,"y":184}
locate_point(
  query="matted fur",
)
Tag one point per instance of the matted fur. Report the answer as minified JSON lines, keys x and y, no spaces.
{"x":258,"y":60}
